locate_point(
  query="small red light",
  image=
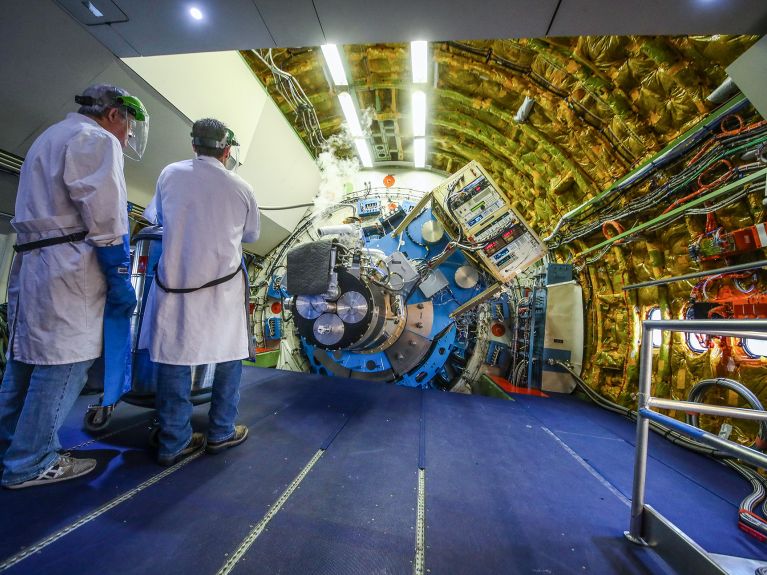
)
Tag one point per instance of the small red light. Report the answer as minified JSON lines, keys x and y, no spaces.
{"x":276,"y":307}
{"x":498,"y":330}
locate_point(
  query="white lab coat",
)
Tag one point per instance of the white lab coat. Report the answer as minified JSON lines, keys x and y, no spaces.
{"x":71,"y":180}
{"x":207,"y":213}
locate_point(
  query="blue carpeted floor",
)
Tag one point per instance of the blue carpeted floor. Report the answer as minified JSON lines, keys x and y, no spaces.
{"x":503,"y":494}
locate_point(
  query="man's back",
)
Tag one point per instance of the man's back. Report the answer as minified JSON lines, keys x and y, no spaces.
{"x":207,"y":212}
{"x":71,"y":181}
{"x":61,"y":168}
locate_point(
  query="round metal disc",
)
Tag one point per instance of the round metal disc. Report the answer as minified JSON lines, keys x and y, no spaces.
{"x":352,"y":307}
{"x":311,"y":306}
{"x":432,"y":231}
{"x":466,"y":277}
{"x":328,"y":329}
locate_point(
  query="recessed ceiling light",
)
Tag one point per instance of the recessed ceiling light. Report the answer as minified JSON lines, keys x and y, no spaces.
{"x":418,"y":61}
{"x":419,"y":152}
{"x":195,"y":13}
{"x":364,"y":152}
{"x":419,"y":113}
{"x":93,"y":10}
{"x":333,"y":60}
{"x":350,"y":113}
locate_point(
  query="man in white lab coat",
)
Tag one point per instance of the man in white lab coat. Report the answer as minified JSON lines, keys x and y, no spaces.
{"x":196,"y":309}
{"x":70,"y":274}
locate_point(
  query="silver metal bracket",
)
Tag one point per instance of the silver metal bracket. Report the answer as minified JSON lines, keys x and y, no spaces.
{"x":635,"y":540}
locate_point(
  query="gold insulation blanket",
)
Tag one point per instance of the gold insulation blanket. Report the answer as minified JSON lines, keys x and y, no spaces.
{"x":602,"y":106}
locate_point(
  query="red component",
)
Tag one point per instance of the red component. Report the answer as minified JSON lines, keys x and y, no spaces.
{"x":752,"y":524}
{"x":752,"y":532}
{"x":506,"y":386}
{"x":716,"y":244}
{"x":735,"y":304}
{"x":388,"y":181}
{"x":142,"y":263}
{"x":498,"y":329}
{"x":252,"y":307}
{"x":711,"y":222}
{"x":276,"y":307}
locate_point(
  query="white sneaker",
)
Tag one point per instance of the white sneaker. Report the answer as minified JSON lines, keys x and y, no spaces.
{"x":64,"y":468}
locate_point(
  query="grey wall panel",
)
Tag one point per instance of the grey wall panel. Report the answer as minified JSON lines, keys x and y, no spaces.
{"x":115,"y":43}
{"x":750,"y":74}
{"x":351,"y":22}
{"x":9,"y":184}
{"x":657,"y":17}
{"x":46,"y":60}
{"x":292,"y":24}
{"x":166,"y":27}
{"x":271,"y":235}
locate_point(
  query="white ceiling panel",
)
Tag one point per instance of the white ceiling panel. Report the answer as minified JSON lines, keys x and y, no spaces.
{"x":354,"y":22}
{"x":292,"y":24}
{"x":660,"y":17}
{"x":154,"y":28}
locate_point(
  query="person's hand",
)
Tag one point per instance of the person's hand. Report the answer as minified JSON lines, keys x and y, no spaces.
{"x":121,"y":298}
{"x":115,"y":263}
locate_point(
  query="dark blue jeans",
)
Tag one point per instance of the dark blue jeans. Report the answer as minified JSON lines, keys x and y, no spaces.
{"x":34,"y":401}
{"x":174,"y":407}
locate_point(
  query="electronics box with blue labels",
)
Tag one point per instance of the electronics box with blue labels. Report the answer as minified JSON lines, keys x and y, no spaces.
{"x":477,"y":213}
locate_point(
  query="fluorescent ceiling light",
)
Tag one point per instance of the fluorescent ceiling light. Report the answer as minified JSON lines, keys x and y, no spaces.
{"x":419,"y":113}
{"x":419,"y":152}
{"x":364,"y":152}
{"x":195,"y":13}
{"x":351,"y":114}
{"x":418,"y":61}
{"x":93,"y":10}
{"x":333,"y":60}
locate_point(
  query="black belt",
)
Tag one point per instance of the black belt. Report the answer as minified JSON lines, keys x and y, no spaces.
{"x":76,"y":237}
{"x":215,"y":282}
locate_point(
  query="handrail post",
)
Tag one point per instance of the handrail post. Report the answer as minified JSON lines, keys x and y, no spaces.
{"x":643,"y":428}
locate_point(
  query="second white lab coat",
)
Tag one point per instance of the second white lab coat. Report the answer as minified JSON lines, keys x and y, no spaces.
{"x":71,"y":181}
{"x":207,"y":213}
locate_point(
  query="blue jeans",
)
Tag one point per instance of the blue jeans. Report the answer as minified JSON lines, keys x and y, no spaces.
{"x":174,"y":407}
{"x":34,"y":401}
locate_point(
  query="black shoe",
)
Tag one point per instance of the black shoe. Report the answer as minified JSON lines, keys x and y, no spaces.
{"x":196,"y":444}
{"x":240,"y":435}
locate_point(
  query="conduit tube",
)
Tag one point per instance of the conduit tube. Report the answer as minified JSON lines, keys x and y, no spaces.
{"x":677,"y":148}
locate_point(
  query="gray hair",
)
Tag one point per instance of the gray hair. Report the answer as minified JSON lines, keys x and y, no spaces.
{"x":104,"y":97}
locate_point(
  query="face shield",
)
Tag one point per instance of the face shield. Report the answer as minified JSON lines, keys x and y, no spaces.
{"x":232,"y":161}
{"x":138,"y":127}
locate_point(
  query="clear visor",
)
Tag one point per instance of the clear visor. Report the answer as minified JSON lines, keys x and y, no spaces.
{"x":138,"y":135}
{"x":233,"y":161}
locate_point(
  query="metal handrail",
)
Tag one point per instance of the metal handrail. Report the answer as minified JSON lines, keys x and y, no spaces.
{"x":735,"y":328}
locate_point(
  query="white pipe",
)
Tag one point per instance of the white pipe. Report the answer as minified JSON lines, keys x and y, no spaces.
{"x":723,"y":92}
{"x":341,"y":230}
